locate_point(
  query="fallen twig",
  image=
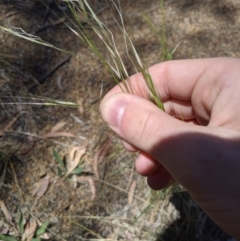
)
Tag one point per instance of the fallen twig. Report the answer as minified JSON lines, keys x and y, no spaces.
{"x":52,"y":24}
{"x":9,"y":14}
{"x":50,"y":72}
{"x":54,"y":68}
{"x":9,"y":125}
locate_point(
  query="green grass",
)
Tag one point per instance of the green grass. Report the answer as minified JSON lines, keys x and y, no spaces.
{"x":166,"y":52}
{"x":22,"y":232}
{"x":110,"y":55}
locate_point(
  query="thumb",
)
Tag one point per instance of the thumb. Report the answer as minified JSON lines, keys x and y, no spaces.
{"x":138,"y":121}
{"x":188,"y":152}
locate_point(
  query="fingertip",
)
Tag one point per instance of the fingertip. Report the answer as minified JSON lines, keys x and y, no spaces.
{"x":112,"y":109}
{"x":145,"y":165}
{"x":160,"y":179}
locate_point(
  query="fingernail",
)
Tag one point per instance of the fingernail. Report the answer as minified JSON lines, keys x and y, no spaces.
{"x":112,"y":109}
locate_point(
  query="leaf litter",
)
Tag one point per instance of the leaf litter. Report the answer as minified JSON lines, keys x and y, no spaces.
{"x":5,"y":211}
{"x":56,"y":133}
{"x":29,"y":231}
{"x":99,"y":156}
{"x":91,"y":184}
{"x":74,"y":159}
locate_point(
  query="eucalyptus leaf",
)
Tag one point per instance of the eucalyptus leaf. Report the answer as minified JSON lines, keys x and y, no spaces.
{"x":77,"y":170}
{"x":58,"y":159}
{"x":42,"y":229}
{"x":7,"y":238}
{"x":59,"y":172}
{"x":21,"y":222}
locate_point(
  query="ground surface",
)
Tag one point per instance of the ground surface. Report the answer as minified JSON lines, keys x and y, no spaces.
{"x":89,"y":208}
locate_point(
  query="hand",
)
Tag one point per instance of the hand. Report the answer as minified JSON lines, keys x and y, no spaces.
{"x":196,"y":141}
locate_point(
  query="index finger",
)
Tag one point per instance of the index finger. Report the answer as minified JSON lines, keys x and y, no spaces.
{"x":172,"y":79}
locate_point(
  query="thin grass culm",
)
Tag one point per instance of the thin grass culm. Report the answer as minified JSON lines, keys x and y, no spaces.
{"x":105,"y":47}
{"x":20,"y":33}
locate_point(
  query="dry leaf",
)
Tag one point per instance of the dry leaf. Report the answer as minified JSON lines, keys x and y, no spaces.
{"x":104,"y":150}
{"x":58,"y":126}
{"x":5,"y":211}
{"x":99,"y":157}
{"x":129,"y":235}
{"x":57,"y":134}
{"x":29,"y":231}
{"x":91,"y":183}
{"x":43,"y":187}
{"x":4,"y":227}
{"x":44,"y":236}
{"x":131,"y":192}
{"x":9,"y":14}
{"x":72,"y":152}
{"x":75,"y":157}
{"x":9,"y":125}
{"x":153,"y":225}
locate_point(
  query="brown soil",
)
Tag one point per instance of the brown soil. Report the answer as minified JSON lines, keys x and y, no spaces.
{"x":203,"y":29}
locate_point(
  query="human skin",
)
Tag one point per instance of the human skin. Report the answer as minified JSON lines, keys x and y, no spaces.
{"x":196,"y":141}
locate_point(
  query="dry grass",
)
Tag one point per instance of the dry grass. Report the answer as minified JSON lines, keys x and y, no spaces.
{"x":118,"y":205}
